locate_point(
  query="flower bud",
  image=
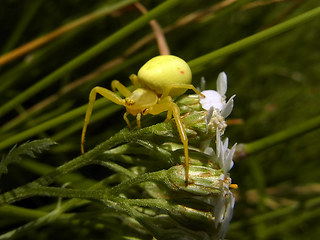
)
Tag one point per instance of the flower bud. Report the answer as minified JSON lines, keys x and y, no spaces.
{"x":202,"y":180}
{"x":189,"y":103}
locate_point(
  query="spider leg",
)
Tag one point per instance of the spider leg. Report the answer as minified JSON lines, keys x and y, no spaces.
{"x":125,"y":117}
{"x":167,"y":89}
{"x":183,"y":135}
{"x":115,"y":84}
{"x":92,"y":97}
{"x":139,"y":120}
{"x":167,"y":99}
{"x":168,"y":105}
{"x":135,"y":80}
{"x":169,"y":115}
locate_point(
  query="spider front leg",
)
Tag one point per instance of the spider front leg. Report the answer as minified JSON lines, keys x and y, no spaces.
{"x":92,"y":97}
{"x":115,"y":84}
{"x":135,"y":80}
{"x":138,"y":117}
{"x":168,"y":105}
{"x":125,"y":117}
{"x":138,"y":120}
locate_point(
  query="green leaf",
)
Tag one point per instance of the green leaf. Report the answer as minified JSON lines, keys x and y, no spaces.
{"x":30,"y":149}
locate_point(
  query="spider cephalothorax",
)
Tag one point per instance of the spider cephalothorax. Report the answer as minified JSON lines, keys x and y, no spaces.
{"x":158,"y":80}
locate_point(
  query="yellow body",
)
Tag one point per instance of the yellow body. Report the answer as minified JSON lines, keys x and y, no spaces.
{"x":160,"y":79}
{"x":163,"y":71}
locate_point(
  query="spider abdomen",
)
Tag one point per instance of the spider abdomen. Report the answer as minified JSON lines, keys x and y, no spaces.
{"x":163,"y":71}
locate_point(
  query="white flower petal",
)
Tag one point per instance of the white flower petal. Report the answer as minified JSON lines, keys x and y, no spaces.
{"x":229,"y":205}
{"x":212,"y":99}
{"x":227,"y":109}
{"x":218,"y":143}
{"x":224,"y":155}
{"x":209,"y":151}
{"x":229,"y":162}
{"x":220,"y":209}
{"x":222,"y":84}
{"x":202,"y":84}
{"x":225,"y":145}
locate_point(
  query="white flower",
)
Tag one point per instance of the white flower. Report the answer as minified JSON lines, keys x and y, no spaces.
{"x":224,"y":208}
{"x":223,"y":155}
{"x":225,"y":203}
{"x":218,"y":109}
{"x":212,"y":100}
{"x":217,"y":99}
{"x":214,"y":120}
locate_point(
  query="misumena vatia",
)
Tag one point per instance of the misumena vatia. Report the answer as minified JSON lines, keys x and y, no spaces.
{"x":158,"y":80}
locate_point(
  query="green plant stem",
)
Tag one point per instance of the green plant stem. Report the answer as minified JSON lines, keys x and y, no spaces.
{"x":309,"y":205}
{"x":282,"y":212}
{"x":10,"y":77}
{"x":23,"y":23}
{"x":44,"y":218}
{"x":312,"y":203}
{"x":123,"y":206}
{"x":294,"y":221}
{"x":34,"y":189}
{"x":280,"y":137}
{"x":253,"y":39}
{"x":20,"y":51}
{"x":88,"y":158}
{"x":21,"y":213}
{"x":101,"y":195}
{"x":41,"y":169}
{"x":116,"y":168}
{"x":74,"y":127}
{"x":159,"y":176}
{"x":89,"y":54}
{"x":51,"y":123}
{"x":86,"y":194}
{"x":77,"y":126}
{"x":31,"y":189}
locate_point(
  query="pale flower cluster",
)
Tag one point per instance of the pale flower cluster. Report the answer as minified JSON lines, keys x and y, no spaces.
{"x":217,"y":107}
{"x":224,"y":208}
{"x":217,"y":99}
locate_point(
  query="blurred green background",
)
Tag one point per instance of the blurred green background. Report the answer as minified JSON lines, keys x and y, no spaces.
{"x":276,"y":83}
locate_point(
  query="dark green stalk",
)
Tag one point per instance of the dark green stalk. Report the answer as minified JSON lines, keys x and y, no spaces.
{"x":254,"y":39}
{"x":8,"y":126}
{"x":17,"y":212}
{"x":49,"y":124}
{"x":77,"y":126}
{"x":293,"y":222}
{"x":41,"y":169}
{"x":280,"y":137}
{"x":29,"y":12}
{"x":89,"y":54}
{"x":159,"y":176}
{"x":88,"y":158}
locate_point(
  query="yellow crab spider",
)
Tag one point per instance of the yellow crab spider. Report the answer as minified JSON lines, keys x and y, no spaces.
{"x":158,"y":80}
